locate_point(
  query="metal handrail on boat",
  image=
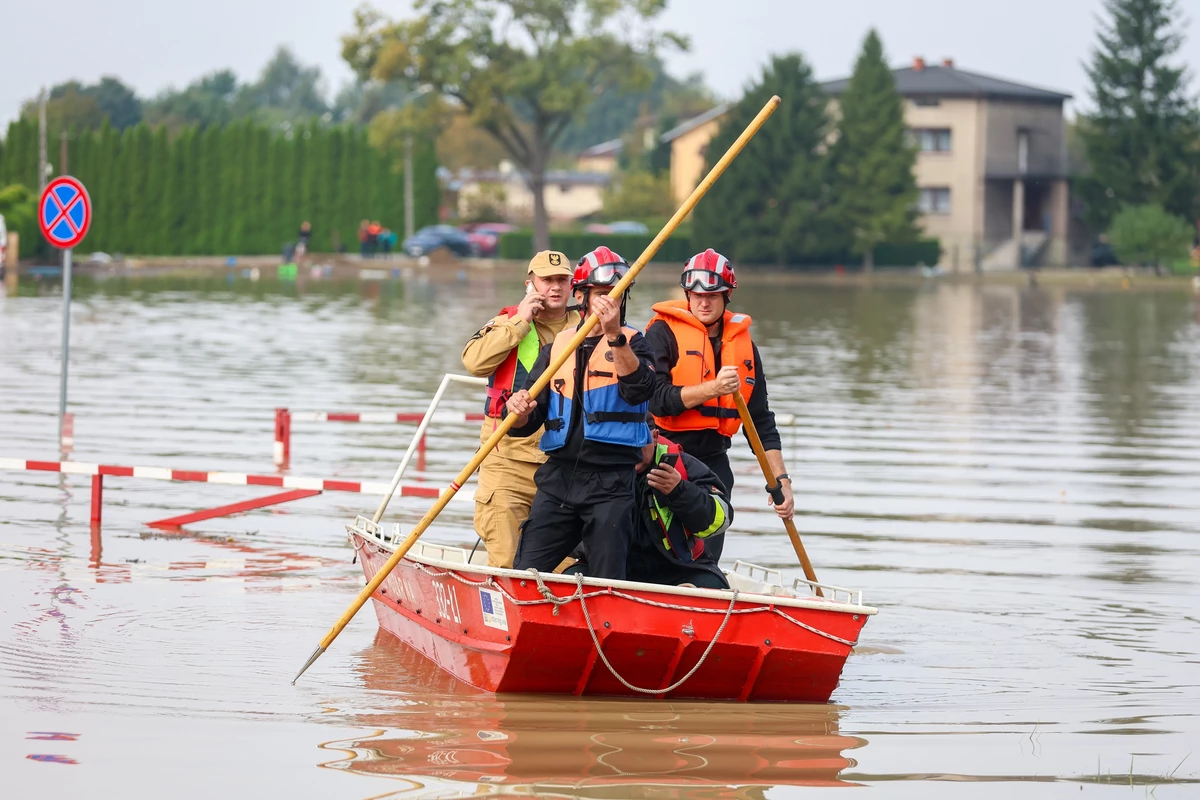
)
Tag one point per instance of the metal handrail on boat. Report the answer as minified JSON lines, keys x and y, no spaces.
{"x":835,"y":593}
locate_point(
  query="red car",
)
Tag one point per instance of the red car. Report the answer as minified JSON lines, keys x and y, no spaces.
{"x":486,"y":235}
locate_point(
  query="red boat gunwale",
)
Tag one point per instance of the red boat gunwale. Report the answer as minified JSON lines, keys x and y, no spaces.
{"x":504,"y":630}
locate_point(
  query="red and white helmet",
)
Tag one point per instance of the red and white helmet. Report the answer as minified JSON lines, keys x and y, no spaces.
{"x":601,"y":267}
{"x":708,"y":273}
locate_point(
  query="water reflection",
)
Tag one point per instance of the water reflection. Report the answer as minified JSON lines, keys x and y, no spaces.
{"x":437,"y":729}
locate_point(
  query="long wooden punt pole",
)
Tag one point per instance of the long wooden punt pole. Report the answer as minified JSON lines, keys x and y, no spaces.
{"x":774,"y":487}
{"x":543,"y":381}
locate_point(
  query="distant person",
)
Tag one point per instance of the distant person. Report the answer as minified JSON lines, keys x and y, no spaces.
{"x":373,"y":231}
{"x":387,"y":240}
{"x":303,"y":238}
{"x":363,"y":237}
{"x":703,"y":353}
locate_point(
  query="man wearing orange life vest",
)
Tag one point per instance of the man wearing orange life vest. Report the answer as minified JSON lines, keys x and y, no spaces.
{"x":594,"y":411}
{"x":702,"y":355}
{"x":504,"y":351}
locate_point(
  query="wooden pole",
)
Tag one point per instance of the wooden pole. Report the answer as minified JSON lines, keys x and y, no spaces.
{"x":542,"y":382}
{"x":12,"y":259}
{"x":774,"y":487}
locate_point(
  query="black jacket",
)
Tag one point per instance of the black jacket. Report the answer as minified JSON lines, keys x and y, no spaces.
{"x":634,"y":389}
{"x":667,"y":401}
{"x":696,"y":503}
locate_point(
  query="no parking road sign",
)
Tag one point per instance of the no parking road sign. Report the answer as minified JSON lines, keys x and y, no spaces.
{"x":64,"y":212}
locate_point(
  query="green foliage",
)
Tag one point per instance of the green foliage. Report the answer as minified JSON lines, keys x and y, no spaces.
{"x":74,"y":105}
{"x":18,"y":206}
{"x":228,"y":189}
{"x":519,"y":245}
{"x":874,"y":188}
{"x":522,"y":69}
{"x":1143,"y":137}
{"x":1147,"y":235}
{"x":774,"y":205}
{"x":638,"y":195}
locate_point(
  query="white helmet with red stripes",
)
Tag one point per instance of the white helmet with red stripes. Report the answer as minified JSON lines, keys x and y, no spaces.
{"x":708,"y":273}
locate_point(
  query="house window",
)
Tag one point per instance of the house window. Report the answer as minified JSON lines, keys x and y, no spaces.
{"x":927,"y":102}
{"x":935,"y":200}
{"x":931,"y":140}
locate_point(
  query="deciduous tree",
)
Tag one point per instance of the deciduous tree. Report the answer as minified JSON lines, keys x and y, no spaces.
{"x":522,"y":69}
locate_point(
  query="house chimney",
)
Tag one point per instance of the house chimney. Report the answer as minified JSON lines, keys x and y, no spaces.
{"x":948,"y":63}
{"x":918,"y":64}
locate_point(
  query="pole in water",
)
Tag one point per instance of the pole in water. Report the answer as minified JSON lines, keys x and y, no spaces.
{"x":66,"y":346}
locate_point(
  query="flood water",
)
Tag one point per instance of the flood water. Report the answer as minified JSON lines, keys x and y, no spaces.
{"x":1011,"y":475}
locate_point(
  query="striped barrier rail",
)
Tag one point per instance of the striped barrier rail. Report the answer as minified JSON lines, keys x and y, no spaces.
{"x":298,"y":487}
{"x":284,"y":418}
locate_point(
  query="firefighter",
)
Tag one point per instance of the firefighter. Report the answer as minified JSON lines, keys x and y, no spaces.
{"x":594,"y":411}
{"x":703,"y":353}
{"x":504,"y":350}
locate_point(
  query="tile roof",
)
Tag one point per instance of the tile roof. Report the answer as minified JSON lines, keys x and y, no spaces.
{"x":943,"y":81}
{"x":694,"y":122}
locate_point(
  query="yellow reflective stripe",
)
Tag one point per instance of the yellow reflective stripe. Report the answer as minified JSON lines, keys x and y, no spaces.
{"x":718,"y":519}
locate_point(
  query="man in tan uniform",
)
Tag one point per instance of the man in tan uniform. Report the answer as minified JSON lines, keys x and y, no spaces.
{"x":504,"y":351}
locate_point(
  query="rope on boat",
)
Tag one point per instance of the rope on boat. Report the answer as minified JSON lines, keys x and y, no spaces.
{"x":600,"y":651}
{"x":562,"y":601}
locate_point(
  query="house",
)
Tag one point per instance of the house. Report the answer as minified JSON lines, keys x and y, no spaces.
{"x":600,"y":157}
{"x":991,"y":166}
{"x":689,"y":145}
{"x":569,"y":195}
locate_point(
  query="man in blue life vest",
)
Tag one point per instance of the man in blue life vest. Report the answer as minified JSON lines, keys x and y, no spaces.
{"x":504,"y":351}
{"x":703,"y":354}
{"x":594,"y":411}
{"x":680,"y":505}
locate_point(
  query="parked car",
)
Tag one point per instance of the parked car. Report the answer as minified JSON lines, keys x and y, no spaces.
{"x":431,"y":237}
{"x":628,"y":226}
{"x":597,"y":227}
{"x":1103,"y":255}
{"x":486,"y":236}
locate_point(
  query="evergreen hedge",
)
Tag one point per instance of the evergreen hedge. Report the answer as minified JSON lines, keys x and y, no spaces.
{"x":237,"y":189}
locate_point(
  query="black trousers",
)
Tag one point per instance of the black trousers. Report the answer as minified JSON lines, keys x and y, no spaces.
{"x":719,"y":464}
{"x":573,"y":506}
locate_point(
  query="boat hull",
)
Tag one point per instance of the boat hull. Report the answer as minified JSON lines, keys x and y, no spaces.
{"x":497,"y":631}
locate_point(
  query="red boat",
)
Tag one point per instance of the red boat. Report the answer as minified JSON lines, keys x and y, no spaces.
{"x":504,"y":630}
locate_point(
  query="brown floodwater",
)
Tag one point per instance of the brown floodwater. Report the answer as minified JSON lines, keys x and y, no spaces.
{"x":1011,"y":475}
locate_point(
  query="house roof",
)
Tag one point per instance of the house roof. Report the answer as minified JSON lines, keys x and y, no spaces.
{"x":610,"y":148}
{"x":950,"y":81}
{"x":694,"y":122}
{"x":554,"y":177}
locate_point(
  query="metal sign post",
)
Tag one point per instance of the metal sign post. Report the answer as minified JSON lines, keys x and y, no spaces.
{"x":64,"y":215}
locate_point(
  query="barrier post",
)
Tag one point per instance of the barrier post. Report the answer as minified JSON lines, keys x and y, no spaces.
{"x":421,"y":453}
{"x":11,"y":260}
{"x":97,"y":498}
{"x":283,"y":437}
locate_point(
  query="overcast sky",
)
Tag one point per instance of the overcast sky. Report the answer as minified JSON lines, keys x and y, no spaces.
{"x":151,"y":46}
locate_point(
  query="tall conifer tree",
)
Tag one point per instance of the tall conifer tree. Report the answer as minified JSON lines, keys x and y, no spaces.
{"x":773,"y":207}
{"x":1143,"y":134}
{"x":872,"y":160}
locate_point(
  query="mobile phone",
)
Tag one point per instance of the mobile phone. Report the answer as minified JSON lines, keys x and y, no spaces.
{"x":528,"y":287}
{"x":670,"y":459}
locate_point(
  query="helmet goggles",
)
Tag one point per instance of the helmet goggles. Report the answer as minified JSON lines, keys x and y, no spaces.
{"x":606,"y":274}
{"x":704,"y":281}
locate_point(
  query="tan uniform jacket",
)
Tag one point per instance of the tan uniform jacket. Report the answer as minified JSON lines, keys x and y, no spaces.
{"x":486,"y":351}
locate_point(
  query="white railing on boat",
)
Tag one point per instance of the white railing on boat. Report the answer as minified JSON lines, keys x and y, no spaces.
{"x":774,"y":578}
{"x":769,"y":579}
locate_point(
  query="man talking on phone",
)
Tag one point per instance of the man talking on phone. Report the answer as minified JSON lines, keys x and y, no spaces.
{"x":504,"y":351}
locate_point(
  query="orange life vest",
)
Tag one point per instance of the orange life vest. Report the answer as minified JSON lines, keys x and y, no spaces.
{"x":606,"y":416}
{"x":697,"y":363}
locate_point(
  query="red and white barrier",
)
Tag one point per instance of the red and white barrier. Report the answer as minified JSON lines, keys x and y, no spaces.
{"x":284,"y":418}
{"x":98,"y":471}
